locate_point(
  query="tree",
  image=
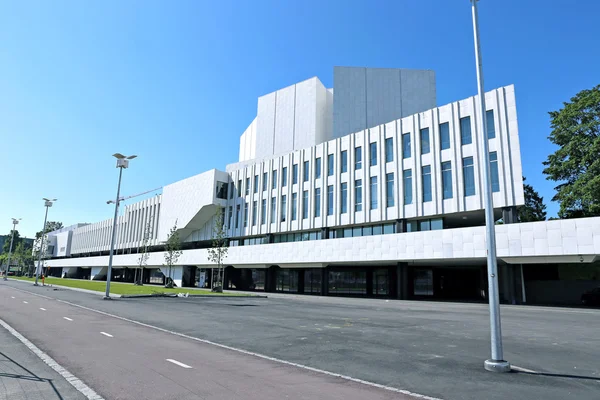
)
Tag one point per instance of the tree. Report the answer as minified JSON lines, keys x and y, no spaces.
{"x":51,"y":226}
{"x":218,"y":252}
{"x":24,"y":256}
{"x":143,"y":259}
{"x":534,"y":208}
{"x":172,"y":252}
{"x":16,"y":240}
{"x":576,"y":164}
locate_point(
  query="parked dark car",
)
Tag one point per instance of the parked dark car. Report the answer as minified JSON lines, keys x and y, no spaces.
{"x":591,"y":297}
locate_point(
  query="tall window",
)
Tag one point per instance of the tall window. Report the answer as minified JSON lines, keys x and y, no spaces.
{"x":305,"y":204}
{"x":294,"y":174}
{"x":263,"y":211}
{"x":229,"y":217}
{"x":389,"y":150}
{"x":358,"y":195}
{"x":274,"y":179}
{"x":330,"y":162}
{"x":231,"y":186}
{"x":237,"y":216}
{"x":425,"y":141}
{"x":255,"y":183}
{"x":330,"y":200}
{"x":239,"y":188}
{"x":445,"y":135}
{"x":318,"y":167}
{"x":294,"y":206}
{"x":273,"y":210}
{"x":358,"y":158}
{"x":247,"y":186}
{"x":344,"y":161}
{"x":284,"y":177}
{"x":265,"y":182}
{"x":426,"y":175}
{"x":306,"y":173}
{"x":283,"y":208}
{"x":373,"y":190}
{"x":344,"y":198}
{"x":465,"y":131}
{"x":245,"y":214}
{"x":373,"y":154}
{"x":407,"y":178}
{"x":389,"y":189}
{"x":406,"y":145}
{"x":254,"y":212}
{"x":317,"y":202}
{"x":447,"y":180}
{"x":489,"y":119}
{"x":494,"y":171}
{"x":469,"y":176}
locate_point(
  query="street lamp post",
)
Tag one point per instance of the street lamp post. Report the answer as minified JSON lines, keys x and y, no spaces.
{"x":15,"y":222}
{"x":497,"y":362}
{"x":122,"y":162}
{"x":47,"y":204}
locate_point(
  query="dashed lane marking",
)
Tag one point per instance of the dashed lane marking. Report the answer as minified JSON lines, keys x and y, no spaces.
{"x":178,"y":363}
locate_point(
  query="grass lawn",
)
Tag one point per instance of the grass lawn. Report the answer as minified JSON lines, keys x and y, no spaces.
{"x":122,"y":288}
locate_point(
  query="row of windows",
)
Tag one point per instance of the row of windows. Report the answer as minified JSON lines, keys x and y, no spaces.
{"x":444,"y":132}
{"x":373,"y":203}
{"x":357,"y":231}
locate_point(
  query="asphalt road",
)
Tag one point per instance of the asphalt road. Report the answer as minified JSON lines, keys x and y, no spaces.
{"x":436,"y":349}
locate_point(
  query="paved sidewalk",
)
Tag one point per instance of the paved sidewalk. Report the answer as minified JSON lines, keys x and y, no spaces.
{"x":23,"y":375}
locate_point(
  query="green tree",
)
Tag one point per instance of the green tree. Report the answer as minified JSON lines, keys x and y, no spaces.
{"x":51,"y":226}
{"x":534,"y":208}
{"x":143,"y":259}
{"x":17,"y":239}
{"x":218,"y":252}
{"x":24,"y":257}
{"x":172,"y":252}
{"x":576,"y":164}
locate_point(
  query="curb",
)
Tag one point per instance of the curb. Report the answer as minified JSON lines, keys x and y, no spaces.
{"x":133,"y":296}
{"x":70,"y":288}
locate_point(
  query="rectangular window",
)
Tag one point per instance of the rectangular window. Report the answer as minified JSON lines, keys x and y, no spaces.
{"x":294,"y":174}
{"x":318,"y":168}
{"x":265,"y":182}
{"x":274,"y":181}
{"x":406,"y":145}
{"x":231,"y":186}
{"x":469,"y":176}
{"x":237,"y":216}
{"x":317,"y":202}
{"x":445,"y":135}
{"x":284,"y":177}
{"x":330,"y":162}
{"x":465,"y":131}
{"x":389,"y":189}
{"x":425,"y":141}
{"x":254,"y":212}
{"x":273,"y":210}
{"x":305,"y":204}
{"x":239,"y":188}
{"x":283,"y":208}
{"x":489,"y":119}
{"x":407,"y":177}
{"x":330,"y":200}
{"x":373,"y":190}
{"x":426,"y":176}
{"x":358,"y":158}
{"x":229,"y":217}
{"x":344,"y":161}
{"x":373,"y":154}
{"x":494,"y":171}
{"x":306,"y":171}
{"x":255,"y":183}
{"x":447,"y":180}
{"x":389,"y":150}
{"x":245,"y":214}
{"x":294,"y":206}
{"x":358,"y":195}
{"x":263,"y":211}
{"x":247,"y":186}
{"x":344,"y":198}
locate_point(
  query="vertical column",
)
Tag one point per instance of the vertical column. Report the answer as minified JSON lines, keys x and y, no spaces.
{"x":510,"y":215}
{"x":324,"y":281}
{"x":400,"y":225}
{"x":324,"y":231}
{"x":402,"y":281}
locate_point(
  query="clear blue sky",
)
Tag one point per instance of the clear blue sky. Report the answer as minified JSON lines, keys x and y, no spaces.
{"x":176,"y":82}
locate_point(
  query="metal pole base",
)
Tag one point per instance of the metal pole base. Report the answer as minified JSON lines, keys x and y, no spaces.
{"x":497,"y":365}
{"x":107,"y":298}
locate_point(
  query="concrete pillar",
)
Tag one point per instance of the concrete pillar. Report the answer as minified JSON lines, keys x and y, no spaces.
{"x":324,"y":281}
{"x":324,"y":233}
{"x":400,"y":225}
{"x":510,"y":215}
{"x":402,"y":281}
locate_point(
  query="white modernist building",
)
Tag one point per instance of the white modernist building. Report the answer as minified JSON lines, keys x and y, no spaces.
{"x":365,"y":189}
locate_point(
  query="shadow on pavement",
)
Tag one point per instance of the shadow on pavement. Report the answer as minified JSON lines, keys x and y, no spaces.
{"x":591,"y":378}
{"x":31,"y":377}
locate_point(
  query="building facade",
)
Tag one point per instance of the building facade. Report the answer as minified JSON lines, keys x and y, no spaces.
{"x":365,"y":189}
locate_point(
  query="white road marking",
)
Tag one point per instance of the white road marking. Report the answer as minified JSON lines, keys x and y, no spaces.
{"x":106,"y":334}
{"x":72,"y":379}
{"x":178,"y":363}
{"x":521,"y":369}
{"x":42,"y":308}
{"x":68,"y":319}
{"x":12,"y":297}
{"x":25,"y":302}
